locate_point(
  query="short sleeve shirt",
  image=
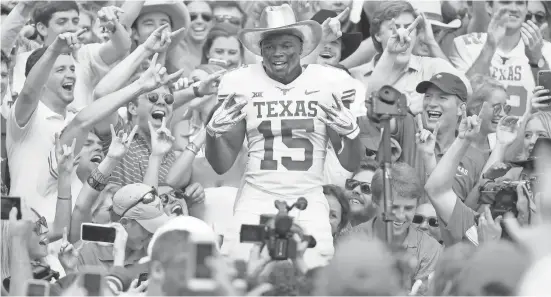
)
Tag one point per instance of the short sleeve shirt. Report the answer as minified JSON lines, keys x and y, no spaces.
{"x":461,"y":226}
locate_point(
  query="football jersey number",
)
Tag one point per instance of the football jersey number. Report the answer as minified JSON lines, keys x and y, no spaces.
{"x":287,"y":127}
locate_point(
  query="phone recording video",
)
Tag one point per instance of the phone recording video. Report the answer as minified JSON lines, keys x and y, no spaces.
{"x":544,"y":80}
{"x":38,"y":288}
{"x":7,"y":204}
{"x":203,"y":251}
{"x":98,"y":233}
{"x":91,"y":281}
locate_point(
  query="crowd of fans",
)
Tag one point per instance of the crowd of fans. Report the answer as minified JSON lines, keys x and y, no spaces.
{"x":176,"y":123}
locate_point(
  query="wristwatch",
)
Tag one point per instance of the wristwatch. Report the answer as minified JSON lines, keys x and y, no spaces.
{"x":540,"y":63}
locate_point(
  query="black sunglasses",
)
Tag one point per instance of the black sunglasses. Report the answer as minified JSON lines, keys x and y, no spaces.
{"x":205,"y":16}
{"x":40,"y":226}
{"x":351,"y":184}
{"x":419,"y":219}
{"x":154,"y":97}
{"x":231,"y":19}
{"x":178,"y":194}
{"x":145,"y":199}
{"x":539,"y":17}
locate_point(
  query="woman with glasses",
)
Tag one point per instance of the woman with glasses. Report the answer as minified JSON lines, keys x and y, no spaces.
{"x":359,"y":193}
{"x":538,"y":12}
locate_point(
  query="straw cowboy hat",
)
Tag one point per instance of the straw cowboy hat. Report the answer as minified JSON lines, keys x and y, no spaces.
{"x":433,"y":12}
{"x":176,"y":11}
{"x":281,"y":19}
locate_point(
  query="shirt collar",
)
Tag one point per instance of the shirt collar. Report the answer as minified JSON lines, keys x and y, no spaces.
{"x":414,"y":64}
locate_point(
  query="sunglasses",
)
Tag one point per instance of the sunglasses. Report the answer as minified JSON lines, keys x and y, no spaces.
{"x":205,"y":16}
{"x":178,"y":194}
{"x":538,"y":18}
{"x":154,"y":97}
{"x":351,"y":184}
{"x":419,"y":219}
{"x":145,"y":199}
{"x":228,"y":18}
{"x":40,"y":226}
{"x":499,"y":107}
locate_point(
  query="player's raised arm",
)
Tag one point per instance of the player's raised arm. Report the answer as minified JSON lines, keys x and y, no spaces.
{"x":225,"y":132}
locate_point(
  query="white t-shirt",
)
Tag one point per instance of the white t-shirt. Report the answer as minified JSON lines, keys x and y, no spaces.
{"x":512,"y":68}
{"x":28,"y":148}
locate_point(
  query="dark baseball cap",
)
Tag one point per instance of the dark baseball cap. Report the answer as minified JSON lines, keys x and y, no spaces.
{"x":448,"y":83}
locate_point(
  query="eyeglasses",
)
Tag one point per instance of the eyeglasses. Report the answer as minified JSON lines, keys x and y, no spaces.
{"x":351,"y":184}
{"x":419,"y":219}
{"x":40,"y":226}
{"x":539,"y":17}
{"x":179,"y":194}
{"x":145,"y":199}
{"x":499,"y":107}
{"x":154,"y":97}
{"x":231,"y":19}
{"x":205,"y":16}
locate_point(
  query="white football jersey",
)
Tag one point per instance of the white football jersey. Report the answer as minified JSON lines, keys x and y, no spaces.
{"x":287,"y":144}
{"x":512,"y":69}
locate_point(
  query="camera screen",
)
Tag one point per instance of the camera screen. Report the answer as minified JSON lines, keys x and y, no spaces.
{"x":98,"y":233}
{"x":204,"y":250}
{"x":92,"y":283}
{"x":36,"y":290}
{"x":7,"y":204}
{"x":251,"y":233}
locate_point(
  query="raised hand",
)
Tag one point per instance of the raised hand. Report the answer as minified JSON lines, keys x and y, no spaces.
{"x":161,"y":139}
{"x":400,"y":40}
{"x":155,"y":76}
{"x":532,"y":37}
{"x":258,"y":260}
{"x":540,"y":100}
{"x":66,"y":43}
{"x":120,"y":143}
{"x":209,"y":86}
{"x":68,"y":254}
{"x":226,"y":116}
{"x":497,"y":27}
{"x":160,"y":39}
{"x":109,"y":17}
{"x":340,"y":119}
{"x":469,"y":128}
{"x":331,"y":27}
{"x":65,"y":156}
{"x":507,"y":130}
{"x":426,"y":141}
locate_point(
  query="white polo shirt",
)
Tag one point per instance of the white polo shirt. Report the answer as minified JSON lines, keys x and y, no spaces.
{"x":28,"y":148}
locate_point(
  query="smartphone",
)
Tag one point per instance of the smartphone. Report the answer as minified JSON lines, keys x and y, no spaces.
{"x":92,"y":282}
{"x":251,"y":233}
{"x":544,"y":80}
{"x":142,"y":278}
{"x":8,"y":203}
{"x":221,"y":63}
{"x":37,"y":288}
{"x":97,"y":233}
{"x":200,"y":273}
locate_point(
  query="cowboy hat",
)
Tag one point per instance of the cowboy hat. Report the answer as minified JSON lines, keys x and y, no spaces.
{"x":350,"y":41}
{"x":433,"y":13}
{"x":282,"y":20}
{"x":176,"y":11}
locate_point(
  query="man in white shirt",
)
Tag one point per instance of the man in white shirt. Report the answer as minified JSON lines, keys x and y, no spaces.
{"x":512,"y":51}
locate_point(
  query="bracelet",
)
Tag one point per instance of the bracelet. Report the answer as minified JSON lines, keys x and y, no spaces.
{"x":193,"y":148}
{"x":61,"y":198}
{"x":99,"y":177}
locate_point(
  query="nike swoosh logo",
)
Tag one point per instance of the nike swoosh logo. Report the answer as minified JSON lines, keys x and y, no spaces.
{"x":310,"y":93}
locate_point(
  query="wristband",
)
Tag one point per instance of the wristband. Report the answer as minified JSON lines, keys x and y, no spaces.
{"x":97,"y":180}
{"x":193,"y":148}
{"x":61,"y":198}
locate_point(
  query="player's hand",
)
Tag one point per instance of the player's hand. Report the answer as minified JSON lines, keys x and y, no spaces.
{"x":507,"y":130}
{"x":66,"y":43}
{"x":226,"y":116}
{"x":426,"y":141}
{"x":161,"y":139}
{"x":532,"y":37}
{"x":497,"y":27}
{"x":155,"y":76}
{"x":109,"y":17}
{"x":469,"y":128}
{"x":400,"y":40}
{"x":540,"y":100}
{"x":331,"y":27}
{"x":65,"y":156}
{"x":160,"y":39}
{"x":209,"y":85}
{"x":340,"y":119}
{"x":120,"y":143}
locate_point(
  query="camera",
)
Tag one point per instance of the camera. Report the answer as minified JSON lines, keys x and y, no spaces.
{"x":501,"y":196}
{"x":387,"y":101}
{"x":276,"y":232}
{"x":40,"y":272}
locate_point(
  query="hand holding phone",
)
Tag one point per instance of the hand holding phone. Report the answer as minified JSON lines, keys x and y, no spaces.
{"x":200,"y":272}
{"x":98,"y":233}
{"x":37,"y":288}
{"x":542,"y":93}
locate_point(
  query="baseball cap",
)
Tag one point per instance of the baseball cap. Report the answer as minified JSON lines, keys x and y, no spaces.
{"x":448,"y":83}
{"x":149,"y":215}
{"x":195,"y":227}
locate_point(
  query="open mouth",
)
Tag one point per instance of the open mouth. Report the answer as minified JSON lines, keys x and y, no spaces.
{"x":398,"y":224}
{"x":158,"y":114}
{"x":434,"y":115}
{"x":326,"y":55}
{"x":279,"y":65}
{"x":177,"y":210}
{"x":199,"y":29}
{"x":356,"y":201}
{"x":68,"y":86}
{"x":496,"y":121}
{"x":96,"y":159}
